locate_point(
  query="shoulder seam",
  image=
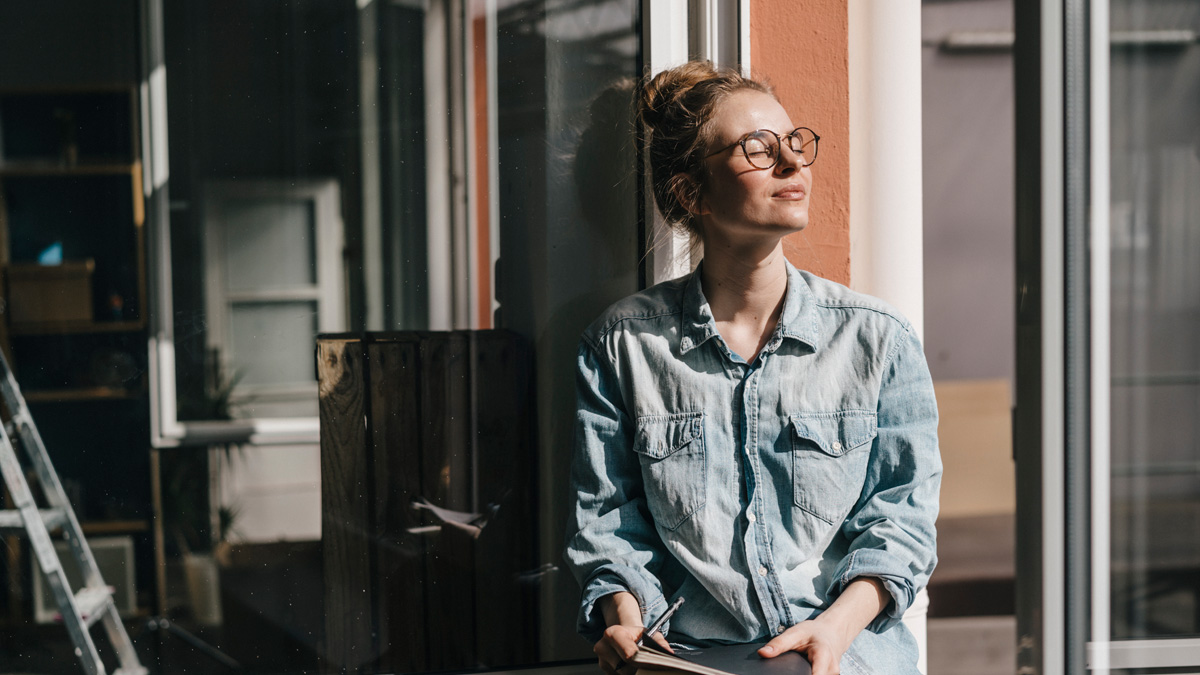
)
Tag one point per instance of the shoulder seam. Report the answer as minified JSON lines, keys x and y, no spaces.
{"x":870,"y":308}
{"x":608,"y":328}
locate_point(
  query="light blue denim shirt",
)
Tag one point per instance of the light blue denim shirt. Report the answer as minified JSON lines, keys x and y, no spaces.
{"x":759,"y":490}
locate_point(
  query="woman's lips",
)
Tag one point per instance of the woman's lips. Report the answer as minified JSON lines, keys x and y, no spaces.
{"x":790,"y":192}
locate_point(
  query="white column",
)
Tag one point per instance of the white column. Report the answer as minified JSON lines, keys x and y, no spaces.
{"x":885,"y":153}
{"x":886,"y":258}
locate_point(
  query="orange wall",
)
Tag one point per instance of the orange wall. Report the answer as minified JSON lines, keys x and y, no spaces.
{"x":800,"y":48}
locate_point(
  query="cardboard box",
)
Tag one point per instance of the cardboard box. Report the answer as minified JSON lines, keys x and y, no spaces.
{"x":49,"y":293}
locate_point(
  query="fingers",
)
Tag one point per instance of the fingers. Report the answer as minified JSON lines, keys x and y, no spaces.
{"x":662,"y":642}
{"x":611,"y":662}
{"x":616,"y":648}
{"x":796,"y":637}
{"x":803,"y":637}
{"x":608,"y":659}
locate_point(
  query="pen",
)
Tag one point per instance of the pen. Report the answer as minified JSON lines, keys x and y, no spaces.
{"x":661,"y":620}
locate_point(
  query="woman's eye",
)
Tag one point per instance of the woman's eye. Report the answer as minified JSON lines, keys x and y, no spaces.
{"x":756,"y":149}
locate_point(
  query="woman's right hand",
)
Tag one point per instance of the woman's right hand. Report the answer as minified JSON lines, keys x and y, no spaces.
{"x":618,"y":645}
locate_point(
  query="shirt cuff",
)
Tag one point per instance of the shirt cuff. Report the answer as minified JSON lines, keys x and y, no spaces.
{"x":895,"y":576}
{"x":611,"y":579}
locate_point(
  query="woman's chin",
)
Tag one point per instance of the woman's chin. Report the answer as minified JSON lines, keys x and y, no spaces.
{"x":795,"y":224}
{"x":796,"y":218}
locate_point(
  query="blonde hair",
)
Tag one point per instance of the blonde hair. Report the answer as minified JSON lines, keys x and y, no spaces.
{"x":675,"y":108}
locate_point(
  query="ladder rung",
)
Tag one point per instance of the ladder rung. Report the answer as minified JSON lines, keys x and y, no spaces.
{"x":92,"y":602}
{"x":11,"y":523}
{"x":15,"y":423}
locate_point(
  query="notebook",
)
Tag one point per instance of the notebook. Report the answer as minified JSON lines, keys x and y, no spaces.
{"x":723,"y":660}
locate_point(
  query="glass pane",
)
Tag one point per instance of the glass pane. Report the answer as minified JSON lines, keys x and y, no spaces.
{"x":494,"y":134}
{"x":1155,"y":257}
{"x":518,"y":108}
{"x":272,"y":343}
{"x":269,"y":244}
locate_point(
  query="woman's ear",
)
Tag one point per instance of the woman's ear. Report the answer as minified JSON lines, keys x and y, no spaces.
{"x":687,"y":191}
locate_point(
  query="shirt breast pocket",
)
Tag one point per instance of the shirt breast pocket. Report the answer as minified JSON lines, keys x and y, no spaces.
{"x":671,"y":450}
{"x":830,"y":452}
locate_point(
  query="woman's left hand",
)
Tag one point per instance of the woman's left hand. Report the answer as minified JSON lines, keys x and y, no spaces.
{"x":822,"y":643}
{"x":827,"y":637}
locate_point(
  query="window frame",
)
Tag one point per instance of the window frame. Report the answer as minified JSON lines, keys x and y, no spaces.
{"x":327,"y":289}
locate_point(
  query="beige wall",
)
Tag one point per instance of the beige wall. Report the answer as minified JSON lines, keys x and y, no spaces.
{"x":975,"y":434}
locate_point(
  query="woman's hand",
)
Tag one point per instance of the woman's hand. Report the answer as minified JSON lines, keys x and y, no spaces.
{"x":618,"y":645}
{"x":822,"y":642}
{"x":827,"y":637}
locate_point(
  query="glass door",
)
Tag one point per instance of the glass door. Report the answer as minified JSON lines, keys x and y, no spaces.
{"x":1108,"y":295}
{"x":1154,"y":289}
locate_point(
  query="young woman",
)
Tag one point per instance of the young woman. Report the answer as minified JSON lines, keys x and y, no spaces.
{"x":753,"y":438}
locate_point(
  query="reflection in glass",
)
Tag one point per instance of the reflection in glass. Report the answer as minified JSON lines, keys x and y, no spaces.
{"x":264,"y":348}
{"x":1155,"y":261}
{"x":569,"y":228}
{"x":482,"y":158}
{"x":269,"y":245}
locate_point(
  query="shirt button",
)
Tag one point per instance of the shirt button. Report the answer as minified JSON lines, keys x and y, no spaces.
{"x":762,"y":571}
{"x":837,"y":446}
{"x":750,"y":516}
{"x":780,"y":629}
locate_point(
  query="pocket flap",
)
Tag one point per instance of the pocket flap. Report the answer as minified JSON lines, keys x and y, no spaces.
{"x":659,"y":436}
{"x":835,"y":433}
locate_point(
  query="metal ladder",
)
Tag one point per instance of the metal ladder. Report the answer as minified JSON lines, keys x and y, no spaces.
{"x":93,"y":603}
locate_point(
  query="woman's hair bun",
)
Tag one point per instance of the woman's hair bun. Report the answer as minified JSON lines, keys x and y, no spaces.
{"x":673,"y":110}
{"x":663,"y":93}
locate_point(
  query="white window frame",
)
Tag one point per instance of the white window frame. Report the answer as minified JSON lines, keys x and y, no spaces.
{"x":167,"y":430}
{"x":674,"y":31}
{"x":327,"y":289}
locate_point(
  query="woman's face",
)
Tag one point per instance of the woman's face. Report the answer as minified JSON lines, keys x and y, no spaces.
{"x":739,"y":201}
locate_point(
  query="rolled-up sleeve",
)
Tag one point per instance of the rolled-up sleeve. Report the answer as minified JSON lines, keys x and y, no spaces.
{"x":891,"y":528}
{"x":611,"y":543}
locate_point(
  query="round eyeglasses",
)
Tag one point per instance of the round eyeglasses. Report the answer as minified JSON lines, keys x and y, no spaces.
{"x":761,"y":147}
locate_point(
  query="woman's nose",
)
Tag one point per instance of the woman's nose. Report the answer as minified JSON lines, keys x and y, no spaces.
{"x":789,"y":162}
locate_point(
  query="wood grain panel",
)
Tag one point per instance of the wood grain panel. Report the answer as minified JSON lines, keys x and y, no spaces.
{"x":346,"y":499}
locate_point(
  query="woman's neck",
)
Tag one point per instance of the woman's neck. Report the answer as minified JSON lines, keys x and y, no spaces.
{"x":745,"y":288}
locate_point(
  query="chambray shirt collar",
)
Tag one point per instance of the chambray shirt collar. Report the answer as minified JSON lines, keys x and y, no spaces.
{"x":798,"y":320}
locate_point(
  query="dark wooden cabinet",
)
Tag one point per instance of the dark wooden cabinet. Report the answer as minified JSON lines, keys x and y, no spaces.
{"x":416,"y":420}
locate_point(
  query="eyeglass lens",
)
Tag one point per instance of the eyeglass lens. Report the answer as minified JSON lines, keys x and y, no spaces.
{"x":762,"y":147}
